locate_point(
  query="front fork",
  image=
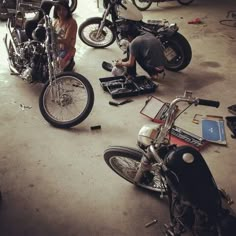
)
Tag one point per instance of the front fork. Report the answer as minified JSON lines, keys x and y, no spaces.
{"x":102,"y":24}
{"x":145,"y":165}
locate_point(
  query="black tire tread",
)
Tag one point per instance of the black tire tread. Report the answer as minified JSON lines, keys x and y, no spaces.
{"x":132,"y":153}
{"x":185,"y":3}
{"x":186,"y":48}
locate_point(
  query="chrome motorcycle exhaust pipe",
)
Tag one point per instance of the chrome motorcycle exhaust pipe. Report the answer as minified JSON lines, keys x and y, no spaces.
{"x":11,"y":38}
{"x":12,"y":68}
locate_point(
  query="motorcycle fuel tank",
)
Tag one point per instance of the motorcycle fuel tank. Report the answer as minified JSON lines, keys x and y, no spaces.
{"x":130,"y":13}
{"x":194,"y":178}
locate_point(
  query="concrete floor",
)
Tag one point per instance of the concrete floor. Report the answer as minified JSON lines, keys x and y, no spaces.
{"x":55,"y":182}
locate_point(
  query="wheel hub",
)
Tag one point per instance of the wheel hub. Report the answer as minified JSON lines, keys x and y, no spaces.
{"x":93,"y":35}
{"x":65,"y":100}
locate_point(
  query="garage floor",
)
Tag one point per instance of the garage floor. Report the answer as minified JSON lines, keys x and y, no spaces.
{"x":55,"y":182}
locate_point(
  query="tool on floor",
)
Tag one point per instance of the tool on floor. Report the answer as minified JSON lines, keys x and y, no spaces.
{"x":195,"y":21}
{"x":151,"y":223}
{"x":95,"y":127}
{"x":120,"y":103}
{"x":23,"y":107}
{"x":195,"y":120}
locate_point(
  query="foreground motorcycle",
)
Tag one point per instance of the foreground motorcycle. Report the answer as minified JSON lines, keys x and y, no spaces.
{"x":145,"y":4}
{"x":10,"y":7}
{"x":196,"y":205}
{"x":99,"y":32}
{"x":67,"y":97}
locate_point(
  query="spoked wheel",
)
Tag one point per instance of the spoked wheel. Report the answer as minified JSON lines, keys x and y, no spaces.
{"x":125,"y":162}
{"x":88,"y":33}
{"x":67,"y":101}
{"x":185,"y":2}
{"x":142,"y":5}
{"x":177,"y":51}
{"x":72,"y":5}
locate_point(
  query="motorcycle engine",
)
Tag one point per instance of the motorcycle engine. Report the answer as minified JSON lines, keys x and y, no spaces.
{"x":30,"y":54}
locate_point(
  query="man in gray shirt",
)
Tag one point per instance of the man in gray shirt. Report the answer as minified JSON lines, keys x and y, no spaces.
{"x":144,"y":48}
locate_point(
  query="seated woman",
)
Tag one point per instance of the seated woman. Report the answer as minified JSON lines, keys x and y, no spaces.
{"x":66,"y":29}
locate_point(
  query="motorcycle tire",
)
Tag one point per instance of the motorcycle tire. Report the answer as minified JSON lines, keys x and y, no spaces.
{"x":72,"y":101}
{"x":142,"y":5}
{"x":125,"y":161}
{"x":88,"y":30}
{"x":72,"y":5}
{"x":177,"y":51}
{"x":185,"y":2}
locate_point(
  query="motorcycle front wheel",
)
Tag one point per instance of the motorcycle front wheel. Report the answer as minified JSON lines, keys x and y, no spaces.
{"x":67,"y":101}
{"x":72,"y":5}
{"x":142,"y":5}
{"x":125,"y":162}
{"x":177,"y":52}
{"x":88,"y":33}
{"x":185,"y":2}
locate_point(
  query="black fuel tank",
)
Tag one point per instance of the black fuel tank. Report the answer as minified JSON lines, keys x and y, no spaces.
{"x":195,"y":180}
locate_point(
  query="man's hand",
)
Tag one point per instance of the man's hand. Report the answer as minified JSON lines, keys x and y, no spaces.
{"x":118,"y":63}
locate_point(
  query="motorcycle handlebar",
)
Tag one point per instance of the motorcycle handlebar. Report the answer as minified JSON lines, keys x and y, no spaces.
{"x":209,"y":103}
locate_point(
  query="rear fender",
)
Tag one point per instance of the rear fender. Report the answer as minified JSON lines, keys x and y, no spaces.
{"x":168,"y":32}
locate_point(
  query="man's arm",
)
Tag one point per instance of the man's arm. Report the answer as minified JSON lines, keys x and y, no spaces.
{"x":128,"y":63}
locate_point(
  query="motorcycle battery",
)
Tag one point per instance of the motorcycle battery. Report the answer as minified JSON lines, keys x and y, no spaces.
{"x":121,"y":86}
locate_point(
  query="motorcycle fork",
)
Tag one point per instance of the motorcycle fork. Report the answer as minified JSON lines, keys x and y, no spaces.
{"x":102,"y":23}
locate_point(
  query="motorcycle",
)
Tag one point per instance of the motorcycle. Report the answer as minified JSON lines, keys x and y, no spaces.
{"x":143,"y":5}
{"x":99,"y":32}
{"x":196,"y":205}
{"x":67,"y":97}
{"x":10,"y":7}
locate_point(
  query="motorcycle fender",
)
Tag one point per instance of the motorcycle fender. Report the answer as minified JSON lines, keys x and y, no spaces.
{"x":168,"y":33}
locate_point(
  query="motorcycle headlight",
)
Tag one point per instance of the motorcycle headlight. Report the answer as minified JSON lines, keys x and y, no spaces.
{"x":147,"y":134}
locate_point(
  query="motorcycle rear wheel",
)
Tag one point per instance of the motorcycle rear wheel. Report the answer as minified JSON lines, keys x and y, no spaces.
{"x":177,"y":51}
{"x":185,"y":2}
{"x":88,"y":33}
{"x":125,"y":161}
{"x":142,"y":5}
{"x":67,"y":101}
